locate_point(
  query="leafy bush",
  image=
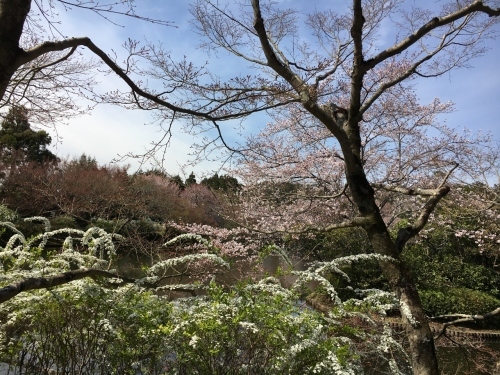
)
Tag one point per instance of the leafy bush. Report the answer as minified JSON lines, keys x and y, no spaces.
{"x":97,"y":327}
{"x":7,"y":214}
{"x":82,"y":328}
{"x":457,"y":300}
{"x":86,"y":329}
{"x":255,"y":329}
{"x":63,"y":221}
{"x":443,"y":271}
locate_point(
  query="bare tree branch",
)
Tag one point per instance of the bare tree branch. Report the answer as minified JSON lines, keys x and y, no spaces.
{"x":105,"y":8}
{"x":476,"y":6}
{"x":463,"y":318}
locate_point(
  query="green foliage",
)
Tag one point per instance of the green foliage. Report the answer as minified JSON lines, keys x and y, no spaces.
{"x":452,"y":263}
{"x":84,"y":162}
{"x":178,"y":181}
{"x":190,"y":180}
{"x":19,"y":143}
{"x":335,"y":244}
{"x":224,"y":183}
{"x":457,"y":301}
{"x":7,"y":214}
{"x":443,"y":271}
{"x":341,"y":243}
{"x":97,"y":327}
{"x":63,"y":221}
{"x":248,"y":331}
{"x":254,"y":329}
{"x":442,"y":260}
{"x":85,"y":329}
{"x":146,"y":227}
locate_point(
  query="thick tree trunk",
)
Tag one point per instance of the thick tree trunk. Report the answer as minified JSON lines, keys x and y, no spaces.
{"x":420,"y":338}
{"x":12,"y":18}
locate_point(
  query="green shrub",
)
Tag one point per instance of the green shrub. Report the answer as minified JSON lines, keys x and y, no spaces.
{"x":81,"y":328}
{"x":443,"y":271}
{"x":457,"y":300}
{"x":6,"y":214}
{"x":254,"y":331}
{"x":146,"y":228}
{"x":63,"y":221}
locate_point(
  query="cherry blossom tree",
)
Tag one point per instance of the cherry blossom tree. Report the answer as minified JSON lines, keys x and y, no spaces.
{"x":343,"y":96}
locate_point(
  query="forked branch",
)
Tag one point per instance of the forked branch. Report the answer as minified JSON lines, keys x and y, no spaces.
{"x":463,"y":318}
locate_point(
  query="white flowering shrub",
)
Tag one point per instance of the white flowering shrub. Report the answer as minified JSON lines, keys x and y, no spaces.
{"x":358,"y":319}
{"x":89,"y":327}
{"x":254,"y":329}
{"x":83,"y":328}
{"x":91,"y":248}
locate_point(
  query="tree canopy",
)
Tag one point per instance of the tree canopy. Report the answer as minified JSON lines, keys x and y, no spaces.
{"x":19,"y":143}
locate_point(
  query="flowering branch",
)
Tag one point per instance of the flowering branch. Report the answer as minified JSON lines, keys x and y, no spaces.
{"x":404,"y":234}
{"x":406,"y":191}
{"x":12,"y":290}
{"x":355,"y":222}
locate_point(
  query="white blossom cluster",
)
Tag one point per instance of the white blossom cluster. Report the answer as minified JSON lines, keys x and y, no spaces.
{"x":406,"y":312}
{"x":305,"y":277}
{"x":206,"y":327}
{"x":334,"y":265}
{"x":44,"y":220}
{"x":23,"y":258}
{"x":162,"y":268}
{"x":249,"y":326}
{"x":333,"y":366}
{"x":272,"y":286}
{"x":388,"y":345}
{"x":188,"y":236}
{"x":191,"y":317}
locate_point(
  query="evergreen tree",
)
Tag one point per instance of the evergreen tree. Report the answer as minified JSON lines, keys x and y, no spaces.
{"x":20,"y":144}
{"x":178,"y":181}
{"x":224,"y":182}
{"x":191,"y":179}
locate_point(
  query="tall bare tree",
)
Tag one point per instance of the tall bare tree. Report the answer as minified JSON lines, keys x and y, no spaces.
{"x":45,"y":71}
{"x":340,"y":80}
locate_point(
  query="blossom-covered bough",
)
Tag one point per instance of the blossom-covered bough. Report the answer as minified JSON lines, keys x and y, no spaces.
{"x":31,"y":264}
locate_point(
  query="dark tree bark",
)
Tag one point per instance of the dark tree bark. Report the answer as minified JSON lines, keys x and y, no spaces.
{"x":12,"y":19}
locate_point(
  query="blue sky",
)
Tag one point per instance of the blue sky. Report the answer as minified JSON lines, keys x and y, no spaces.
{"x":110,"y":131}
